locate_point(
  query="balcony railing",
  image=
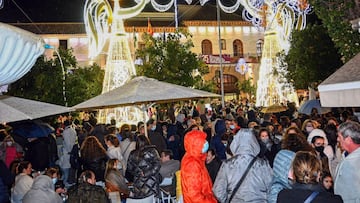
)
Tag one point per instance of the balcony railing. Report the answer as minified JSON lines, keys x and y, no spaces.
{"x":229,"y":58}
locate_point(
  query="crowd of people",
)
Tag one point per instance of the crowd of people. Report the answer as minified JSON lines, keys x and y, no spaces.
{"x":232,"y":154}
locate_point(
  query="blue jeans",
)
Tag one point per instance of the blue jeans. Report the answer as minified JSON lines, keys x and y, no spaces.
{"x":65,"y":175}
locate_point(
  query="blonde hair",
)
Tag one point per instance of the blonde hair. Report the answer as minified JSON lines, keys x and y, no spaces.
{"x":8,"y":138}
{"x":306,"y":167}
{"x":110,"y":164}
{"x":314,"y":123}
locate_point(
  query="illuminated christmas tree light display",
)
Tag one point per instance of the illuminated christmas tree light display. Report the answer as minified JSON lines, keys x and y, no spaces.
{"x":278,"y":19}
{"x":104,"y":23}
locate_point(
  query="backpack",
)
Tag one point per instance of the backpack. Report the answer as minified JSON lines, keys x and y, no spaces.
{"x":75,"y":157}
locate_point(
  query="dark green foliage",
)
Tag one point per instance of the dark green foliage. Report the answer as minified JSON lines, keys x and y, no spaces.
{"x":246,"y":86}
{"x":335,"y":15}
{"x":45,"y":81}
{"x":312,"y":56}
{"x":172,"y":61}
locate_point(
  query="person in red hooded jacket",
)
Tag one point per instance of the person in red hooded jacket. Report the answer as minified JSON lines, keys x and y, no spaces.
{"x":195,"y":181}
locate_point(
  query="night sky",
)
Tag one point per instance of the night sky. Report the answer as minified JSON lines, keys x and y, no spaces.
{"x":51,"y":10}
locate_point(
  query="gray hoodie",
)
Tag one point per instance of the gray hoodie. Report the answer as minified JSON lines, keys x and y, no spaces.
{"x":256,"y":185}
{"x":42,"y":191}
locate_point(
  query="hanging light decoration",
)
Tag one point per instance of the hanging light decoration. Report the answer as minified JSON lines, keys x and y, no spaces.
{"x":162,"y":7}
{"x":241,"y":66}
{"x":277,"y":19}
{"x":104,"y":23}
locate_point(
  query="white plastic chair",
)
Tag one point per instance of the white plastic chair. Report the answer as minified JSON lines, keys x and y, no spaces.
{"x":165,"y":196}
{"x":150,"y":199}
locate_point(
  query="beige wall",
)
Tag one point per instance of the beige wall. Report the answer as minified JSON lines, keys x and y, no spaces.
{"x":249,"y":35}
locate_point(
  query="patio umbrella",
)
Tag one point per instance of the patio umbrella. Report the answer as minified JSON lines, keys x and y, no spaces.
{"x":142,"y":90}
{"x":310,"y":104}
{"x":275,"y":108}
{"x":31,"y":129}
{"x":18,"y":109}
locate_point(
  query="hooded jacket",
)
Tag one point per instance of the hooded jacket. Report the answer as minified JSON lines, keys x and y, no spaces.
{"x":42,"y":190}
{"x":328,"y":151}
{"x":281,"y":168}
{"x":220,"y":129}
{"x":256,"y":185}
{"x":195,"y":181}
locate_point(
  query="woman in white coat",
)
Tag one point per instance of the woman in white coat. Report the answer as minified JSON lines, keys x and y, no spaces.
{"x":23,"y":181}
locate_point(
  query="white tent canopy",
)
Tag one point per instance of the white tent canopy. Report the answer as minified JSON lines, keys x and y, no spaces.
{"x":19,"y":50}
{"x":342,"y":88}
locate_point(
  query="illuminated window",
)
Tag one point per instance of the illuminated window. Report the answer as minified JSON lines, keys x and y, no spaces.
{"x":238,"y":48}
{"x":259,"y":47}
{"x":63,"y":44}
{"x":223,"y":44}
{"x":206,"y":47}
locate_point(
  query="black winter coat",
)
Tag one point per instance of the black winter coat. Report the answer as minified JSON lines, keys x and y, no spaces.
{"x":96,"y":165}
{"x":300,"y":192}
{"x":87,"y":193}
{"x":213,"y":168}
{"x":144,"y":165}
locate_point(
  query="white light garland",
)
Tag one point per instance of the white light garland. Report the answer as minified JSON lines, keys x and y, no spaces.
{"x":203,"y":2}
{"x":230,"y":9}
{"x":162,"y":7}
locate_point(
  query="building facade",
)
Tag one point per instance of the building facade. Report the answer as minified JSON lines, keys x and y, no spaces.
{"x":240,"y":42}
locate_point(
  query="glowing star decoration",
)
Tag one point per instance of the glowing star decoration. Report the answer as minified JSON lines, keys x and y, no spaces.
{"x":104,"y":23}
{"x":241,"y":66}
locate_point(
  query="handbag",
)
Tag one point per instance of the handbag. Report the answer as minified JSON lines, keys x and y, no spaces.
{"x":241,"y":180}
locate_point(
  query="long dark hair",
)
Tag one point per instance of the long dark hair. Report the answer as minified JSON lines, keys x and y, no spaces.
{"x":91,"y":148}
{"x":22,"y":166}
{"x":142,"y":141}
{"x":331,"y":135}
{"x":112,"y":139}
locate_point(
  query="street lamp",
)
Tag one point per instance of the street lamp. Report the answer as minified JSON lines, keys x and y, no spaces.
{"x":220,"y":55}
{"x":259,"y":47}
